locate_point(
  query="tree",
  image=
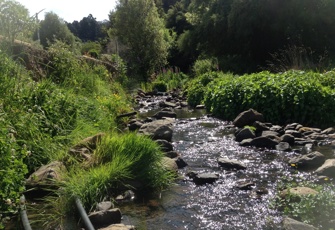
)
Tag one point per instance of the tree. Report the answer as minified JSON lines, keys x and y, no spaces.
{"x":15,"y":20}
{"x":53,"y":28}
{"x":138,"y":26}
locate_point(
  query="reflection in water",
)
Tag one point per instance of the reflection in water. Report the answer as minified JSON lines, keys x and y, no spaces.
{"x":219,"y":205}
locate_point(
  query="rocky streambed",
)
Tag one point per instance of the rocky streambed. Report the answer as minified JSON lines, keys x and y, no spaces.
{"x":229,"y":172}
{"x":232,"y":171}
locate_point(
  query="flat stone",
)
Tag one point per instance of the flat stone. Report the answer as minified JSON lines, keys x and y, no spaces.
{"x":205,"y":178}
{"x":104,"y":206}
{"x":231,"y":164}
{"x":294,"y":133}
{"x":105,"y":218}
{"x":245,"y":185}
{"x":161,"y":114}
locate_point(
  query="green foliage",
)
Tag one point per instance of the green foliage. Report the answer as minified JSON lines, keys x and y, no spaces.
{"x":15,"y":21}
{"x":40,"y":121}
{"x":53,"y":28}
{"x":138,"y":26}
{"x":317,"y":210}
{"x":88,"y":47}
{"x":169,"y":79}
{"x":197,"y":88}
{"x":202,"y":66}
{"x":304,"y":97}
{"x":119,"y":158}
{"x":64,"y":65}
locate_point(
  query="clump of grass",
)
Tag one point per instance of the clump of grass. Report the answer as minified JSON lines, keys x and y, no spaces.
{"x":117,"y":160}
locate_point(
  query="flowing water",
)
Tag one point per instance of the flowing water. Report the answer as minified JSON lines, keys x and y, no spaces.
{"x":200,"y":141}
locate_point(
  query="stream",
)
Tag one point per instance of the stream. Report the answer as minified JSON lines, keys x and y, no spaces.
{"x":201,"y":140}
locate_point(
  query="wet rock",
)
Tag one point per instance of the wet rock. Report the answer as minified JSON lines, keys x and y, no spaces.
{"x":128,"y":195}
{"x":167,"y":104}
{"x":200,"y":107}
{"x":303,"y":142}
{"x":119,"y":227}
{"x":270,"y":134}
{"x":104,"y":206}
{"x":309,"y":129}
{"x":160,"y":129}
{"x":105,"y":218}
{"x":231,"y":164}
{"x":291,"y":224}
{"x":164,"y":145}
{"x":46,"y":175}
{"x":309,"y":161}
{"x":180,"y":163}
{"x":246,"y":142}
{"x":161,"y":114}
{"x":169,"y":164}
{"x":245,"y":133}
{"x":297,"y":192}
{"x":283,"y":146}
{"x":264,"y":142}
{"x":327,"y":169}
{"x":248,"y":118}
{"x":328,"y":131}
{"x":205,"y":178}
{"x":277,"y":128}
{"x":292,"y":126}
{"x":135,"y":126}
{"x":244,"y":185}
{"x":260,"y":126}
{"x":294,"y":133}
{"x":183,"y":104}
{"x":172,"y":154}
{"x":317,"y":136}
{"x":287,"y":138}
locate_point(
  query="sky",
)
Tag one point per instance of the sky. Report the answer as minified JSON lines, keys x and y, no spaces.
{"x":71,"y":10}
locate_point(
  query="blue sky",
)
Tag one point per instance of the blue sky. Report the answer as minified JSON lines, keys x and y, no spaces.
{"x":71,"y":10}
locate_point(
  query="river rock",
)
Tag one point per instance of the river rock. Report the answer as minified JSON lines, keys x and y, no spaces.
{"x":291,"y":224}
{"x":283,"y":146}
{"x":46,"y":175}
{"x":104,"y":206}
{"x":260,"y":126}
{"x":292,"y":126}
{"x":294,"y":133}
{"x":167,"y":104}
{"x":297,"y":192}
{"x":135,"y":126}
{"x":245,"y":133}
{"x":248,"y":118}
{"x":245,"y":185}
{"x":264,"y":142}
{"x":287,"y":138}
{"x":180,"y":162}
{"x":200,"y":107}
{"x":231,"y":164}
{"x":327,"y":169}
{"x":165,"y":146}
{"x":105,"y":218}
{"x":89,"y":142}
{"x":169,"y":164}
{"x":328,"y":131}
{"x":172,"y":154}
{"x":269,"y":133}
{"x":161,"y":114}
{"x":311,"y":160}
{"x":159,"y":129}
{"x":205,"y":178}
{"x":119,"y":227}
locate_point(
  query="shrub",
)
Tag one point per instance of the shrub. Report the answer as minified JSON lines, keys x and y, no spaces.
{"x":202,"y":66}
{"x":159,"y":86}
{"x":171,"y":77}
{"x":292,"y":96}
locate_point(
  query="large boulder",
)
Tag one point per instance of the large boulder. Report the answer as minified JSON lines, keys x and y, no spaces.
{"x":248,"y":118}
{"x":46,"y":175}
{"x":309,"y":161}
{"x":105,"y":218}
{"x":291,"y":224}
{"x":159,"y":129}
{"x":327,"y":169}
{"x":297,"y":192}
{"x":264,"y":142}
{"x":243,"y":134}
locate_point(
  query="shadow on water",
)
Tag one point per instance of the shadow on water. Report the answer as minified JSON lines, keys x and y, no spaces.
{"x":200,"y":141}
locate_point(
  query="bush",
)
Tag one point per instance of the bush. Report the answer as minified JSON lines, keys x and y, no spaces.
{"x":172,"y":78}
{"x":197,"y":87}
{"x":159,"y":86}
{"x":304,"y":97}
{"x":202,"y":66}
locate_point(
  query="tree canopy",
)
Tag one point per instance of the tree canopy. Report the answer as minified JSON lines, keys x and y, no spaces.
{"x":138,"y":26}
